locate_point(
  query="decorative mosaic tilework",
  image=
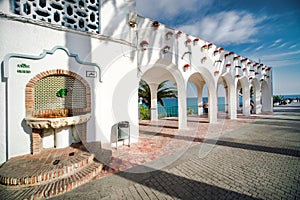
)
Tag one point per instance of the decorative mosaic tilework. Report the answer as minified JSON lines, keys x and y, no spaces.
{"x":77,"y":14}
{"x":59,"y":92}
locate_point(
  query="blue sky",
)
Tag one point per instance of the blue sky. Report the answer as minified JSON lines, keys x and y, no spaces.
{"x":265,"y":30}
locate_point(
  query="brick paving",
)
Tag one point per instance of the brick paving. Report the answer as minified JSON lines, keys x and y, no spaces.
{"x":52,"y":172}
{"x":257,"y":160}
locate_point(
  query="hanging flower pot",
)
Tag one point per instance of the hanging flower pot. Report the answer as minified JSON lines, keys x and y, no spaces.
{"x":144,"y":44}
{"x":249,"y":63}
{"x":188,"y":42}
{"x":185,"y":67}
{"x":256,"y":73}
{"x":226,"y":55}
{"x":237,"y":75}
{"x":155,"y":24}
{"x":179,"y":33}
{"x":209,"y":45}
{"x":221,"y":49}
{"x":228,"y":65}
{"x":237,"y":66}
{"x":204,"y":47}
{"x":195,"y":41}
{"x":250,"y":78}
{"x":166,"y":49}
{"x":244,"y":59}
{"x":203,"y":59}
{"x":169,"y":35}
{"x":216,"y":52}
{"x":268,"y":68}
{"x":216,"y":72}
{"x":244,"y":69}
{"x":230,"y":53}
{"x":255,"y":64}
{"x":236,"y":57}
{"x":218,"y":61}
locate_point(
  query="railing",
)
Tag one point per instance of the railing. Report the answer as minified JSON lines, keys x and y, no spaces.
{"x":172,"y":111}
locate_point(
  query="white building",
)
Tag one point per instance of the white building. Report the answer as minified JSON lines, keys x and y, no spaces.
{"x":73,"y":68}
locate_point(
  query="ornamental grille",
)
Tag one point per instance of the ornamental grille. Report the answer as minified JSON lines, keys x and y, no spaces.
{"x":59,"y":92}
{"x":80,"y":15}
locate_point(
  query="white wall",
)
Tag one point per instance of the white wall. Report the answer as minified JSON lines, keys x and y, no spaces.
{"x":118,"y":65}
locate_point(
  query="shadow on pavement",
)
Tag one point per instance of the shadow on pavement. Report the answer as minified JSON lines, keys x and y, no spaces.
{"x":179,"y":186}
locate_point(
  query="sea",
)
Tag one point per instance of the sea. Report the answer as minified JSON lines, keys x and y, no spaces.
{"x":170,"y":108}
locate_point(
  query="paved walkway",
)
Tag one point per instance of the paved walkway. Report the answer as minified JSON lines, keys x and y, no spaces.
{"x":259,"y":160}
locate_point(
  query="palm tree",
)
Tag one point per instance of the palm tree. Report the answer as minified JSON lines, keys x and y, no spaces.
{"x":163,"y":91}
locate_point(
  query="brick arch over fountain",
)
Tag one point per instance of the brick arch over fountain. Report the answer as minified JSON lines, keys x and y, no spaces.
{"x":158,"y":72}
{"x":30,"y":91}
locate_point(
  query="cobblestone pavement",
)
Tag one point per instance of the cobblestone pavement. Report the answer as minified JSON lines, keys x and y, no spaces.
{"x":260,"y":160}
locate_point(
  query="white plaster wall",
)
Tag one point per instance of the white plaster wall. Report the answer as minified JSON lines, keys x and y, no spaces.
{"x":116,"y":61}
{"x":114,"y":18}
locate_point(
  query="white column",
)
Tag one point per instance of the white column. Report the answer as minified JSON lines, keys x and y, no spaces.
{"x":182,"y":115}
{"x":200,"y":100}
{"x":246,"y":101}
{"x":154,"y":111}
{"x":257,"y":103}
{"x":212,"y":106}
{"x":233,"y":102}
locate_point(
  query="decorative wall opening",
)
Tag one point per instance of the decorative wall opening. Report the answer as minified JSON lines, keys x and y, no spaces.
{"x":79,"y":15}
{"x":56,"y":100}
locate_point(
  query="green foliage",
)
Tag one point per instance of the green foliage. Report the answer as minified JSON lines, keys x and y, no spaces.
{"x":163,"y":91}
{"x":62,"y":92}
{"x":277,"y":98}
{"x":190,"y":111}
{"x":144,"y":113}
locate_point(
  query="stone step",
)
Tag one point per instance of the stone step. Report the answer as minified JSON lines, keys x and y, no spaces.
{"x":39,"y":169}
{"x":53,"y":188}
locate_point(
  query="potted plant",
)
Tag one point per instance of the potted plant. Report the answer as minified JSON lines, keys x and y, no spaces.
{"x":179,"y":33}
{"x":188,"y":42}
{"x":166,"y":49}
{"x":195,"y":41}
{"x":185,"y":67}
{"x":169,"y":35}
{"x":155,"y":24}
{"x":144,"y":44}
{"x":215,"y":52}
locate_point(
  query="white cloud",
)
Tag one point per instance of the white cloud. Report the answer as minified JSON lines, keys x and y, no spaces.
{"x":276,"y":42}
{"x":293,"y":46}
{"x":157,"y":9}
{"x":226,"y":28}
{"x":259,"y":48}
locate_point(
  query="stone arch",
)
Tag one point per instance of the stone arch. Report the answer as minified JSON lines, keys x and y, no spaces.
{"x":203,"y":75}
{"x":257,"y":95}
{"x":165,"y":70}
{"x":244,"y":82}
{"x":230,"y":94}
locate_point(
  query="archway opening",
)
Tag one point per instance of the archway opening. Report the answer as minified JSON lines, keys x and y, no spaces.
{"x":222,"y":96}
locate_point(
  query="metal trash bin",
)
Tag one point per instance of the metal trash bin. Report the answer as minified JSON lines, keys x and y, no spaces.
{"x":123,"y":132}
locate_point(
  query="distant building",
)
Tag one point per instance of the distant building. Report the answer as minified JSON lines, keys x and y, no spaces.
{"x":71,"y":70}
